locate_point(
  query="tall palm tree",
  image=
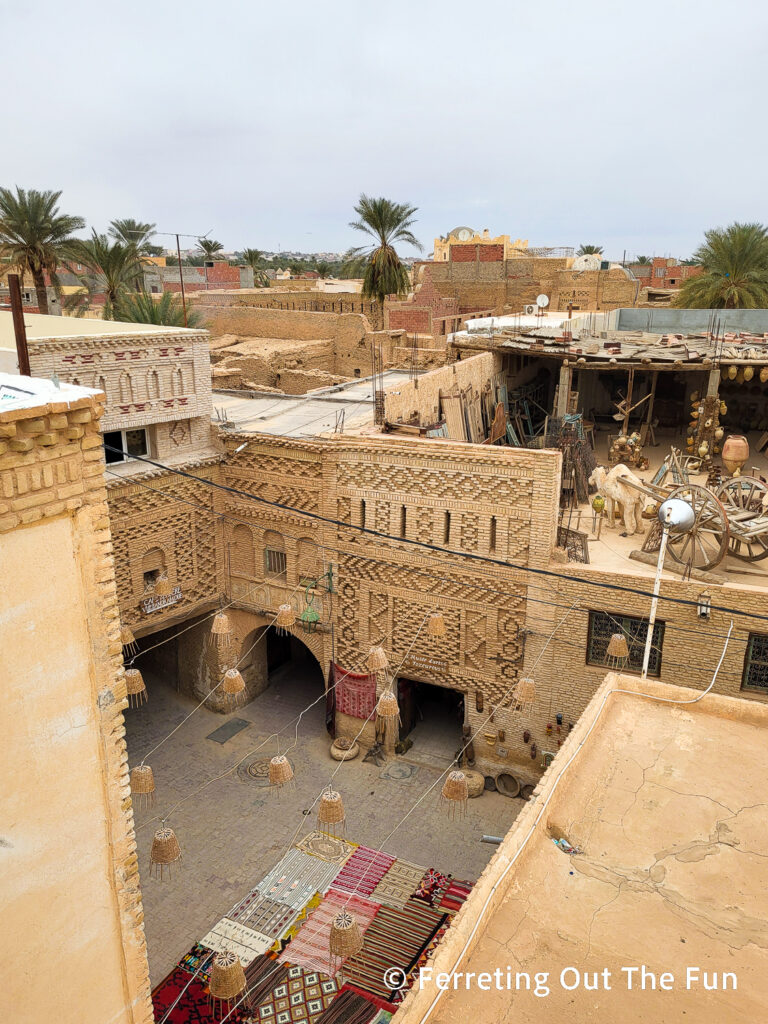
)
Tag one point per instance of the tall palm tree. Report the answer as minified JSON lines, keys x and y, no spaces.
{"x":254,"y":258}
{"x":387,"y":223}
{"x":35,"y":236}
{"x":643,"y":261}
{"x":114,"y":268}
{"x":133,"y":232}
{"x":589,"y":250}
{"x":208,"y":247}
{"x":324,"y":268}
{"x":734,"y":262}
{"x":144,"y":308}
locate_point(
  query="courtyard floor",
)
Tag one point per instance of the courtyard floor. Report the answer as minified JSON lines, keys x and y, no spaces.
{"x":236,"y":829}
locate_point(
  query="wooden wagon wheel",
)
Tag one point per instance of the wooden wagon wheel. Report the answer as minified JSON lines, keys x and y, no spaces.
{"x":745,"y":494}
{"x":705,"y":544}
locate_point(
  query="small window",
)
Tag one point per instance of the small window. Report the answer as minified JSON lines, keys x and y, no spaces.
{"x":122,"y":445}
{"x":602,"y":626}
{"x":151,"y":578}
{"x":492,"y":537}
{"x":756,"y":664}
{"x":447,"y":528}
{"x":403,"y":521}
{"x":659,"y":272}
{"x":274,"y":562}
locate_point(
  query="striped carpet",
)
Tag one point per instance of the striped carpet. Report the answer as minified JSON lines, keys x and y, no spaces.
{"x":454,"y":896}
{"x":310,"y":948}
{"x":396,"y":938}
{"x":296,"y":878}
{"x":398,"y":884}
{"x":363,"y":871}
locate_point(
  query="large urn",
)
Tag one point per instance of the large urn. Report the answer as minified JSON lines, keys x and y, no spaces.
{"x":735,"y":453}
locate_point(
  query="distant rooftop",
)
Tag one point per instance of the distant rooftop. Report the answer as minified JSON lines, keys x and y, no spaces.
{"x":40,"y":326}
{"x":341,"y":408}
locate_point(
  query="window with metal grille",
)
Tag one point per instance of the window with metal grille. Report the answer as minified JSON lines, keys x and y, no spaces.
{"x":274,"y":562}
{"x":602,"y":626}
{"x":756,"y":663}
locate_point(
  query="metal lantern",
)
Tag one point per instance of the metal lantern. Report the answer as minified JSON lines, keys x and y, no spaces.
{"x":163,"y":587}
{"x":345,"y":939}
{"x":280,"y":772}
{"x":143,"y":785}
{"x":377,"y":659}
{"x":286,"y":617}
{"x":227,"y":981}
{"x":309,"y":619}
{"x":135,"y":687}
{"x":128,"y":640}
{"x":331,"y":818}
{"x":455,"y":793}
{"x":617,"y":651}
{"x":165,"y":851}
{"x":436,"y":624}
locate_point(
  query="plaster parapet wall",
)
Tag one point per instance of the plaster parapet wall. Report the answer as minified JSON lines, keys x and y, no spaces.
{"x":70,"y":882}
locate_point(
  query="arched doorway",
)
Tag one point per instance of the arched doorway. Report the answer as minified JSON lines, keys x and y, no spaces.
{"x":282,"y":663}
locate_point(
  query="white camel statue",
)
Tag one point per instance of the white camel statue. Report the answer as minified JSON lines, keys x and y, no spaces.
{"x":612,"y":487}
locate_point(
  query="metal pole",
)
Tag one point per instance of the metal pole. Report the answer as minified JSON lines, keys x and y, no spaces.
{"x":181,"y":278}
{"x":19,"y":329}
{"x":655,"y":600}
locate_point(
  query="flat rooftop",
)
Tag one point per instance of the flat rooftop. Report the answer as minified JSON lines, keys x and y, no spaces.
{"x":41,"y":327}
{"x":666,"y":802}
{"x":342,"y":408}
{"x":17,"y":392}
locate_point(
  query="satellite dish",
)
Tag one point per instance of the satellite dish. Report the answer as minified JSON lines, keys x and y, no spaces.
{"x":542,"y":301}
{"x":677,"y":515}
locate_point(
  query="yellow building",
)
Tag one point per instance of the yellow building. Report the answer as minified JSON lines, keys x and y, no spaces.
{"x":468,"y":236}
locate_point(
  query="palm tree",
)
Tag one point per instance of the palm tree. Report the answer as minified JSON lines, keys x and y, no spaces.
{"x":115,"y":268}
{"x":643,"y":261}
{"x":387,"y":223}
{"x":133,"y":232}
{"x":208,"y":247}
{"x":254,"y":259}
{"x":734,"y":262}
{"x":324,"y":268}
{"x":144,"y":308}
{"x":589,"y":250}
{"x":35,"y":236}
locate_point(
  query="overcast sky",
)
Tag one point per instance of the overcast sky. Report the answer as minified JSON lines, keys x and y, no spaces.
{"x":628,"y":124}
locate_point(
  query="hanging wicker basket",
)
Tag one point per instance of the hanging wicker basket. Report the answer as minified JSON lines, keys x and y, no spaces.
{"x":330,"y":814}
{"x":227,"y":976}
{"x":524,"y":693}
{"x":286,"y":618}
{"x":233,"y":682}
{"x":617,"y":651}
{"x":455,"y":793}
{"x":280,"y":772}
{"x":128,"y":640}
{"x":143,"y":785}
{"x":377,"y":659}
{"x":163,"y":587}
{"x":436,"y":624}
{"x":135,"y":687}
{"x":165,"y":851}
{"x":345,"y":939}
{"x":387,"y":706}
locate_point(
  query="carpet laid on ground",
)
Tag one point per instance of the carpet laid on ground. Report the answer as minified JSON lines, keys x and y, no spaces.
{"x":395,"y":938}
{"x":454,"y":896}
{"x":237,"y":938}
{"x":326,"y":847}
{"x":298,"y":999}
{"x":263,"y":915}
{"x":363,"y":871}
{"x":432,"y":887}
{"x":310,"y":948}
{"x":198,"y":961}
{"x":190,"y":1000}
{"x":349,"y":1008}
{"x":398,"y":884}
{"x":296,"y":877}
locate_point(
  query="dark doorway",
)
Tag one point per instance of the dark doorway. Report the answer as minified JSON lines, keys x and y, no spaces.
{"x":291,"y":666}
{"x":431,"y":716}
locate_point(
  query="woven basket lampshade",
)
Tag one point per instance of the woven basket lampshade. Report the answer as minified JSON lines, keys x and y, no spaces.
{"x":286,"y":617}
{"x":233,"y":682}
{"x":455,"y":794}
{"x":377,"y":660}
{"x":143,"y":785}
{"x":135,"y":687}
{"x":436,"y":624}
{"x":165,"y":851}
{"x":524,"y":694}
{"x":280,"y":772}
{"x":227,"y":982}
{"x":221,"y":631}
{"x":331,"y":818}
{"x":163,"y":587}
{"x":617,"y":651}
{"x":128,"y":640}
{"x":387,"y":706}
{"x":345,"y":939}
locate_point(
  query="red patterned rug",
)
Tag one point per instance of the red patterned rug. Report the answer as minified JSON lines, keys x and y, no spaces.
{"x":189,"y":998}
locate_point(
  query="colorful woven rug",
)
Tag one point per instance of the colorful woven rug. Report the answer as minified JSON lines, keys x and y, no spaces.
{"x":454,"y":896}
{"x":296,"y":878}
{"x":299,"y":922}
{"x":263,"y":915}
{"x":239,"y":938}
{"x":349,"y":1007}
{"x":378,"y":1002}
{"x":261,"y":976}
{"x":398,"y":884}
{"x":300,"y":999}
{"x":363,"y":871}
{"x":326,"y":847}
{"x":355,"y":693}
{"x":310,"y":947}
{"x":395,"y":939}
{"x":432,"y":887}
{"x":193,"y":1005}
{"x":198,"y":961}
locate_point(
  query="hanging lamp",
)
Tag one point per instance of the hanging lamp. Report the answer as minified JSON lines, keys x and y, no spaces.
{"x":617,"y":651}
{"x":128,"y":640}
{"x":524,"y":694}
{"x":309,"y":619}
{"x":143,"y":785}
{"x":227,"y":982}
{"x":165,"y":851}
{"x":286,"y":617}
{"x":455,"y":794}
{"x":331,"y":818}
{"x":222,"y":633}
{"x":345,"y":939}
{"x":435,"y":624}
{"x":232,"y":684}
{"x":377,"y":659}
{"x":280,"y":772}
{"x":163,"y":586}
{"x":135,"y":687}
{"x":387,"y":706}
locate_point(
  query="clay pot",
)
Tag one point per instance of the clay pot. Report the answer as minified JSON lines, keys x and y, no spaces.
{"x":764,"y":374}
{"x":735,"y":452}
{"x":749,"y":373}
